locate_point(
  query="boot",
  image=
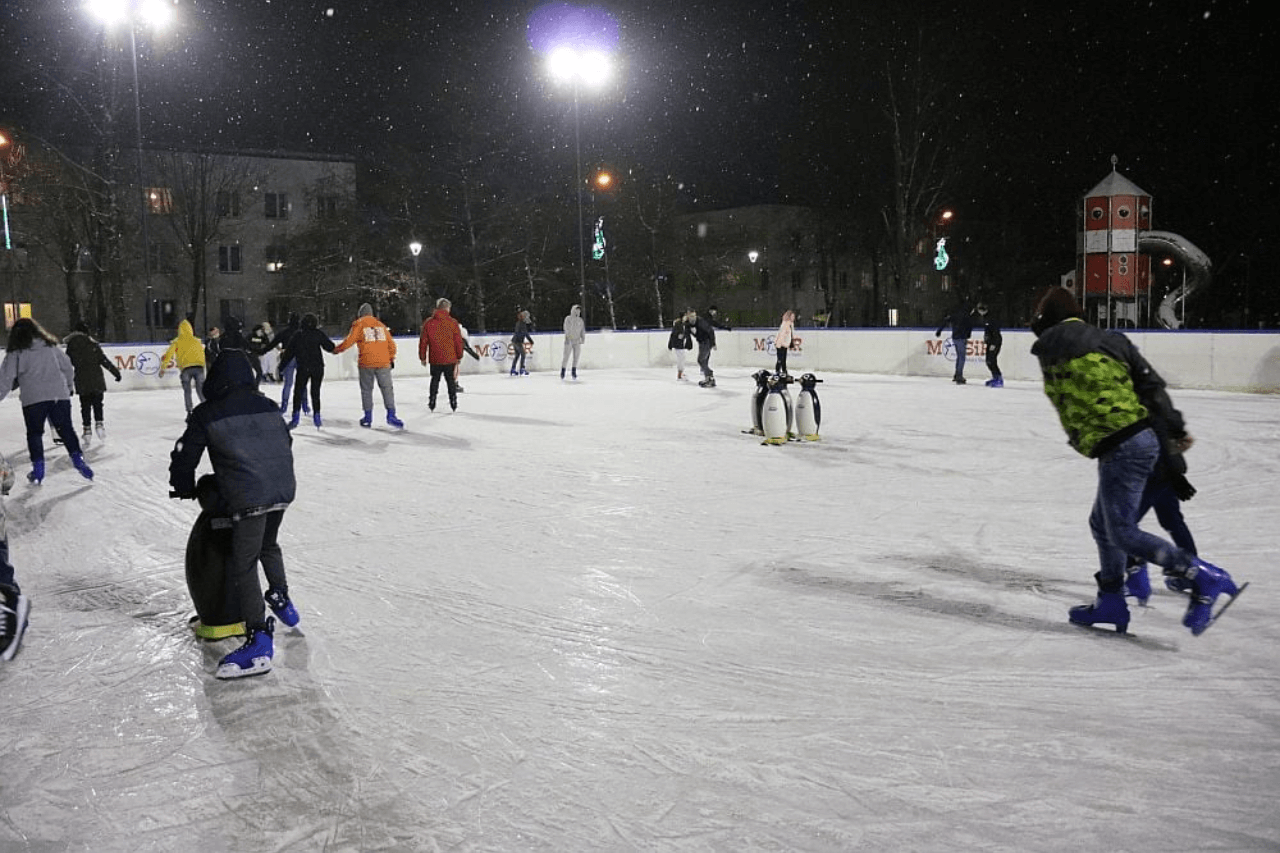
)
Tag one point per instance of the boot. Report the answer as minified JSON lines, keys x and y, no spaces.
{"x":1207,"y":582}
{"x":316,"y":420}
{"x":87,"y":436}
{"x":367,"y":420}
{"x":100,"y":430}
{"x":293,"y":421}
{"x":1108,"y":608}
{"x":562,"y":373}
{"x":392,"y":420}
{"x":77,"y":459}
{"x":1137,"y":583}
{"x":252,"y":658}
{"x":679,"y":375}
{"x":573,"y":371}
{"x":37,"y":472}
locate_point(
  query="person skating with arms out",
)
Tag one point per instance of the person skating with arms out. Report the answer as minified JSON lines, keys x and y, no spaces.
{"x":88,"y":360}
{"x":1109,"y":399}
{"x":190,"y":353}
{"x":303,"y":362}
{"x":377,"y":359}
{"x":251,"y":452}
{"x":42,"y":373}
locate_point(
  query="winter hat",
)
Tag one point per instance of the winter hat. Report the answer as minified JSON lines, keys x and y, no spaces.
{"x":1056,"y":305}
{"x":309,"y":321}
{"x":366,"y":310}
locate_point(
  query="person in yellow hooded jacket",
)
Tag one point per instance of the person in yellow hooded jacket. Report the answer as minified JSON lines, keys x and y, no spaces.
{"x":189,"y":352}
{"x":377,"y":358}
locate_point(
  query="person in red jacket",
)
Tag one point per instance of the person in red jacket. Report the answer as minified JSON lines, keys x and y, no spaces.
{"x":377,"y":358}
{"x":440,"y":344}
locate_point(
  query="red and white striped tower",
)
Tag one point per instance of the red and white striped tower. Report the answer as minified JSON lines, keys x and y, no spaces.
{"x":1110,"y":271}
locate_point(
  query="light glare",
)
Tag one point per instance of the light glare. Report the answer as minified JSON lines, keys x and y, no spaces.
{"x":567,"y":64}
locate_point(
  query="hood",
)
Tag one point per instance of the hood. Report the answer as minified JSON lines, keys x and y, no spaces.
{"x":231,"y":370}
{"x":576,"y":310}
{"x":366,"y":310}
{"x":310,"y":321}
{"x":185,"y":330}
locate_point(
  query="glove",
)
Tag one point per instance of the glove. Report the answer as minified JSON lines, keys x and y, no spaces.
{"x":1182,"y":487}
{"x":393,"y":364}
{"x":937,"y":334}
{"x":424,"y":363}
{"x":117,"y":378}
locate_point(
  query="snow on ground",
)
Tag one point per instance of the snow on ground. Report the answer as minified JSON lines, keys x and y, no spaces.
{"x":596,"y":616}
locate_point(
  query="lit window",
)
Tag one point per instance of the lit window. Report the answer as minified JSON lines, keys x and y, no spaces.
{"x":276,"y":257}
{"x":159,"y":200}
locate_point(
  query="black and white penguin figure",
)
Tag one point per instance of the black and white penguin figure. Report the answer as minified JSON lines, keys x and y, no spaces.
{"x":757,"y":401}
{"x":208,"y":550}
{"x":808,"y":408}
{"x":777,"y":415}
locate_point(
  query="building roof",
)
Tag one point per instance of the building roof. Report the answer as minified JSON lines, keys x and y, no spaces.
{"x":1116,"y":184}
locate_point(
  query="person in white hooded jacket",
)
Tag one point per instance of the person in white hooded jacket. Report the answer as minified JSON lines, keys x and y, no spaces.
{"x":575,"y":333}
{"x":45,"y":380}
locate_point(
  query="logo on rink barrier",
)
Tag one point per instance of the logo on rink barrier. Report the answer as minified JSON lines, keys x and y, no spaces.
{"x":767,"y":345}
{"x":147,"y":363}
{"x":947,"y":348}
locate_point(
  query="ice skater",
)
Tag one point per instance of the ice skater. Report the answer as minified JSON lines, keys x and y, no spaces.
{"x":190,"y":354}
{"x":575,"y":335}
{"x":680,"y":341}
{"x":286,"y":371}
{"x":377,"y":359}
{"x":783,"y":340}
{"x":518,"y":341}
{"x":88,"y":361}
{"x":961,"y":322}
{"x":1108,"y":399}
{"x":13,"y":604}
{"x":251,"y":452}
{"x":42,"y":373}
{"x":303,"y":362}
{"x":441,"y":346}
{"x":992,"y":340}
{"x":704,"y":331}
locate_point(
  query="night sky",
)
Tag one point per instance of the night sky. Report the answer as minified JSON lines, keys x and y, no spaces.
{"x":746,"y":102}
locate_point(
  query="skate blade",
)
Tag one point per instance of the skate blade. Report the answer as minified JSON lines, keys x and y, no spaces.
{"x":260,"y":666}
{"x":1223,"y":609}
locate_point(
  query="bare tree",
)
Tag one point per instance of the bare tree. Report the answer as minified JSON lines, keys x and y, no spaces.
{"x":205,"y":193}
{"x":922,"y":125}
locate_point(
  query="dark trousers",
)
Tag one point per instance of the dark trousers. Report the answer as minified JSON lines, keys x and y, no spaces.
{"x":301,"y":379}
{"x":451,"y":384}
{"x":704,"y":358}
{"x":91,"y":407}
{"x":58,"y":414}
{"x":993,"y":356}
{"x":781,"y":366}
{"x":253,"y":541}
{"x":1160,"y":496}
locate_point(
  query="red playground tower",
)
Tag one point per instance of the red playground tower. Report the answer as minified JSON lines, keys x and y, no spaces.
{"x":1113,"y":274}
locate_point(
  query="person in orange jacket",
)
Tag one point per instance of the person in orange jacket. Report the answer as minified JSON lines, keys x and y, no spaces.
{"x":377,"y":358}
{"x":441,"y":345}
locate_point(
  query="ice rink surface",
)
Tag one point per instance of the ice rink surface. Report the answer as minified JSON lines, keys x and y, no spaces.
{"x":596,"y":616}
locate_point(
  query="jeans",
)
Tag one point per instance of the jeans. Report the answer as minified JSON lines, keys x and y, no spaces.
{"x":57,"y":413}
{"x":451,"y":384}
{"x":960,"y":347}
{"x":1122,"y":478}
{"x":704,"y":358}
{"x":287,"y":394}
{"x":192,"y":376}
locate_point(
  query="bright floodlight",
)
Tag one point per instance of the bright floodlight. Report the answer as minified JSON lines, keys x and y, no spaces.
{"x":415,"y":247}
{"x":589,"y":67}
{"x":153,"y":13}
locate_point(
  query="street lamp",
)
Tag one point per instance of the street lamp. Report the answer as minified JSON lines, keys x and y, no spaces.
{"x":157,"y":14}
{"x":590,"y":67}
{"x":754,"y":256}
{"x":415,"y":249}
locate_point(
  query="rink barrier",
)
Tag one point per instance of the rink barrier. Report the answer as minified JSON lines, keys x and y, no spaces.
{"x":1224,"y":361}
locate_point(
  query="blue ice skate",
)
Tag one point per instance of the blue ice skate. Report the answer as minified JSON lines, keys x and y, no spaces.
{"x":1109,"y":608}
{"x":281,"y":606}
{"x":1137,"y":583}
{"x":77,"y":459}
{"x":1206,"y":584}
{"x":367,"y":420}
{"x":317,"y":420}
{"x":392,"y":420}
{"x":252,"y":658}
